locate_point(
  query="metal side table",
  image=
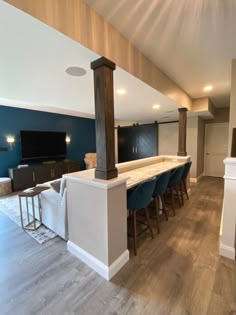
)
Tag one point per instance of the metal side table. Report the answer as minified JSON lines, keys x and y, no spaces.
{"x":34,"y":192}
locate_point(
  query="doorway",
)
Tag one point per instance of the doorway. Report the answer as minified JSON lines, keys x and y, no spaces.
{"x":216,"y":148}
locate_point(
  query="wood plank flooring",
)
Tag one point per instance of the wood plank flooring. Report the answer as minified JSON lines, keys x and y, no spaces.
{"x":177,"y":273}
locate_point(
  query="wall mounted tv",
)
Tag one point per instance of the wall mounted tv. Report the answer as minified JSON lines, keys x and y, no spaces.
{"x":43,"y":145}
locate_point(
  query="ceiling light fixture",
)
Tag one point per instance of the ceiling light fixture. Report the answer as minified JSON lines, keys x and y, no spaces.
{"x":208,"y":88}
{"x":156,"y":106}
{"x":75,"y":71}
{"x":121,"y":91}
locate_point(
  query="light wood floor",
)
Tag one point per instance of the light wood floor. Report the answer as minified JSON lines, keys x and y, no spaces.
{"x":178,"y":273}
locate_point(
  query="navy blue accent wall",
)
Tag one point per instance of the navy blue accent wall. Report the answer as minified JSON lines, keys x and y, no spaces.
{"x":12,"y":120}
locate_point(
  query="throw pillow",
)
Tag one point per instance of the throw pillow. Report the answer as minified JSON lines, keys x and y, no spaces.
{"x":56,"y":185}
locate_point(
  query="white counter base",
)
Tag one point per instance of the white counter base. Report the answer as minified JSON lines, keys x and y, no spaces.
{"x":228,"y":220}
{"x":103,"y":270}
{"x":227,"y":251}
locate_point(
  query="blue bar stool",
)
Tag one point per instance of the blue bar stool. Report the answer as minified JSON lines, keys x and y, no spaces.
{"x":159,"y":191}
{"x":139,"y":199}
{"x":173,"y":185}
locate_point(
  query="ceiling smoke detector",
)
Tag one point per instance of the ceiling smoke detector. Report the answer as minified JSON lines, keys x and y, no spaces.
{"x":75,"y":71}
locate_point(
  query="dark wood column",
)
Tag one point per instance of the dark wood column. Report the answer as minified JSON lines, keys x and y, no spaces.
{"x":104,"y":111}
{"x":182,"y":131}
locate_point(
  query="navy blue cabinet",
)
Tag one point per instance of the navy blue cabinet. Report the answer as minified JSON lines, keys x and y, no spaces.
{"x":137,"y":142}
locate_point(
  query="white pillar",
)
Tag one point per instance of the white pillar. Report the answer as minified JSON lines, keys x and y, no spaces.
{"x":228,"y":220}
{"x":97,"y":221}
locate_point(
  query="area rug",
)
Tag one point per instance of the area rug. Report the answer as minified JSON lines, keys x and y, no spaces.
{"x":10,"y":207}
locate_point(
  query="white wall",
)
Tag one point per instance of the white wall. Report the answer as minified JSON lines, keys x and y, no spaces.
{"x":168,"y":138}
{"x":232,"y":114}
{"x":168,"y":141}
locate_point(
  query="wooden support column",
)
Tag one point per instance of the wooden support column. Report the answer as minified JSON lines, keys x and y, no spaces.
{"x":182,"y":131}
{"x":104,"y":112}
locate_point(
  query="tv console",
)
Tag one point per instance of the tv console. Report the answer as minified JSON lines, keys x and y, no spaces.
{"x":34,"y":174}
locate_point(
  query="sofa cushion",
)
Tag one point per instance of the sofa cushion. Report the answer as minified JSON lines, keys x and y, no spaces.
{"x":56,"y":185}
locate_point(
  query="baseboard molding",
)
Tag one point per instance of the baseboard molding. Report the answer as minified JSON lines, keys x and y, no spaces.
{"x":227,"y":251}
{"x":102,"y":269}
{"x":196,"y":179}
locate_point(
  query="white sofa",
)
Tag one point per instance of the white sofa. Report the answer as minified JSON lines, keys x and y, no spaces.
{"x":54,"y":210}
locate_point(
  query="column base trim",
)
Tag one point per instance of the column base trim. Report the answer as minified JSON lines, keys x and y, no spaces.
{"x":102,"y":269}
{"x":106,"y":174}
{"x":227,"y":251}
{"x":196,"y":179}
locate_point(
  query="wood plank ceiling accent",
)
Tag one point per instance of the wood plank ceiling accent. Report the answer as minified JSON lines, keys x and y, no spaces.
{"x":78,"y":21}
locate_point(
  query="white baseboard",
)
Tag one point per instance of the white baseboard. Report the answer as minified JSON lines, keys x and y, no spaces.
{"x":105,"y":271}
{"x":196,"y":179}
{"x":227,"y":251}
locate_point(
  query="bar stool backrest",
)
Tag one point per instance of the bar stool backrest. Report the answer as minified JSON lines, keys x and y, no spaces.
{"x":161,"y":184}
{"x":141,"y":197}
{"x":176,"y":176}
{"x":187,"y":167}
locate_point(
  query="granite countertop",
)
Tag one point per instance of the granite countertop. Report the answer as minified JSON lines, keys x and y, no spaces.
{"x":141,"y":174}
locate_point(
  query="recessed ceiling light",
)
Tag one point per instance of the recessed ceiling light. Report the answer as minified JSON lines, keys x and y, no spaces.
{"x":75,"y":71}
{"x":208,"y":88}
{"x":121,"y":91}
{"x":156,"y":106}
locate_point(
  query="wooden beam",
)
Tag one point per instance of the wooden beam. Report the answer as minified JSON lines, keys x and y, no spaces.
{"x":104,"y":112}
{"x":77,"y":20}
{"x":182,"y":131}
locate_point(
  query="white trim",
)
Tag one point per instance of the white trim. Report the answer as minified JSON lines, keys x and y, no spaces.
{"x":229,"y":160}
{"x":229,"y":177}
{"x":227,"y":251}
{"x":42,"y":108}
{"x":221,"y":224}
{"x":196,"y":179}
{"x":104,"y":184}
{"x":105,"y":271}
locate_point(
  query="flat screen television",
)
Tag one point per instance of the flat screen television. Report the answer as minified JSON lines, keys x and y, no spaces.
{"x":42,"y":145}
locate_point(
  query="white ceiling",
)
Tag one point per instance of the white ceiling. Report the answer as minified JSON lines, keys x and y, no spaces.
{"x":192,"y":41}
{"x":33,"y":62}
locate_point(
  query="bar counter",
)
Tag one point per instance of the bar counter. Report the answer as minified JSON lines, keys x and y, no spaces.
{"x":97,"y":212}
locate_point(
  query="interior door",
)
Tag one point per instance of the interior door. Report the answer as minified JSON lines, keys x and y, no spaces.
{"x":216,"y":148}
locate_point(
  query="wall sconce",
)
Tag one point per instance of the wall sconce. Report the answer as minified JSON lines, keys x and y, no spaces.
{"x":67,"y":139}
{"x":10,"y":141}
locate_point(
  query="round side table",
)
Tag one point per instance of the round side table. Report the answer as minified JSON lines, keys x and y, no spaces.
{"x":5,"y":186}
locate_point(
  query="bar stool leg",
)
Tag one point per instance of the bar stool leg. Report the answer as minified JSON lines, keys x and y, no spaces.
{"x":172,"y":200}
{"x":133,"y":219}
{"x":164,"y":206}
{"x":178,"y":195}
{"x":157,"y":214}
{"x":149,"y":222}
{"x":185,"y":189}
{"x":181,"y":192}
